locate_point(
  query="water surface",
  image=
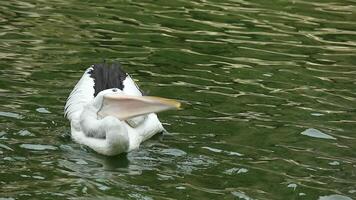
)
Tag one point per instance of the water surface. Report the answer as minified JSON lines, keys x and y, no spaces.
{"x":268,"y":86}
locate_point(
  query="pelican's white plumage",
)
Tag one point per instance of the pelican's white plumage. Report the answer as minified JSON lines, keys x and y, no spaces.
{"x":110,"y":134}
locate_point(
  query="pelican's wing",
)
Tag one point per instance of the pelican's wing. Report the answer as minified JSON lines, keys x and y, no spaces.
{"x":126,"y":107}
{"x":131,"y":88}
{"x":82,"y":93}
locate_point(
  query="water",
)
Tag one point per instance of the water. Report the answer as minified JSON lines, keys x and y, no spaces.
{"x":268,"y":86}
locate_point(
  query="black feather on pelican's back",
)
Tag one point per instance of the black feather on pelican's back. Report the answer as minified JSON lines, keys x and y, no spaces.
{"x":107,"y":76}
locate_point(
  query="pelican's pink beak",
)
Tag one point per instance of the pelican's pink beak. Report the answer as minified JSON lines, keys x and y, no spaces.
{"x":125,"y":107}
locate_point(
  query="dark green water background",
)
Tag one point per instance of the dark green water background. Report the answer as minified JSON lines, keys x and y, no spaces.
{"x":253,"y":75}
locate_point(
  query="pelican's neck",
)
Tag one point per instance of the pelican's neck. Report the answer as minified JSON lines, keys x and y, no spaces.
{"x":117,"y":139}
{"x":107,"y":136}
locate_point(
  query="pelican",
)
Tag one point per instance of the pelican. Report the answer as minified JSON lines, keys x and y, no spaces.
{"x":108,"y":112}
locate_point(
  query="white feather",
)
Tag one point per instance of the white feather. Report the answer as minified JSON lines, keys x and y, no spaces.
{"x":81,"y":95}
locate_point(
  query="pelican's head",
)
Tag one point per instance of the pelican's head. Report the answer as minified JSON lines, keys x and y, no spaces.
{"x":99,"y":98}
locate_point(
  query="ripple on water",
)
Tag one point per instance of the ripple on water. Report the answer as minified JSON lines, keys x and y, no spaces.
{"x":10,"y":114}
{"x":38,"y":147}
{"x":311,"y":132}
{"x":215,"y":150}
{"x":174,"y":152}
{"x":235,"y":170}
{"x":6,"y":147}
{"x":25,"y":132}
{"x":241,"y":195}
{"x":43,"y":110}
{"x":335,"y":197}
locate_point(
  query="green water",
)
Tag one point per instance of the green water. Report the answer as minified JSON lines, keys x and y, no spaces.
{"x":269,"y":89}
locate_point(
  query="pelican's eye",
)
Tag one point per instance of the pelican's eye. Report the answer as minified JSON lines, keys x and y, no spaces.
{"x":114,"y":90}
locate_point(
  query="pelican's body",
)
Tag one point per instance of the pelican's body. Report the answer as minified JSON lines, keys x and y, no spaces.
{"x":106,"y":112}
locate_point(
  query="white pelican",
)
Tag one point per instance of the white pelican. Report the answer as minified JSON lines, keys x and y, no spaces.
{"x":109,"y":114}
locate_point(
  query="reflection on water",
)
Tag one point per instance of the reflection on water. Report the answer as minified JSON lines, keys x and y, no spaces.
{"x":268,"y":87}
